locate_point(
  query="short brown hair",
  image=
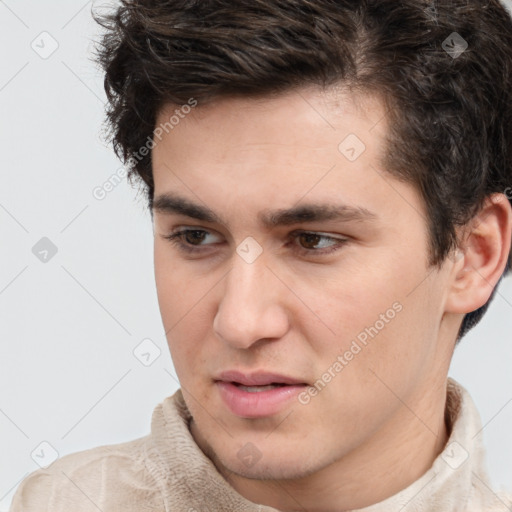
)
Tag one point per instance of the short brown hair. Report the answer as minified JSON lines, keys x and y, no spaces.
{"x":443,"y":69}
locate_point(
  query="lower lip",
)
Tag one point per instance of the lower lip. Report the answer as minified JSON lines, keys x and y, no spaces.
{"x":259,"y":404}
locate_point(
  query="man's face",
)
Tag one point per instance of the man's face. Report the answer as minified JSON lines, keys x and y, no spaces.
{"x":343,"y":313}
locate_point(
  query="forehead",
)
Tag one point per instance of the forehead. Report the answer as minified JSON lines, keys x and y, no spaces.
{"x":242,"y":156}
{"x":303,"y":127}
{"x":335,"y":100}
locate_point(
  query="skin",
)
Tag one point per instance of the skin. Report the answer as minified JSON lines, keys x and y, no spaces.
{"x":377,"y":426}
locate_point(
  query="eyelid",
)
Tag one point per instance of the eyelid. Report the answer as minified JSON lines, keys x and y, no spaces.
{"x":322,"y":233}
{"x":327,"y":234}
{"x":176,"y":237}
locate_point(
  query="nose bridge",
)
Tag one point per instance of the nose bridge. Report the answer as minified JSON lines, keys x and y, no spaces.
{"x":249,"y":308}
{"x":242,"y":281}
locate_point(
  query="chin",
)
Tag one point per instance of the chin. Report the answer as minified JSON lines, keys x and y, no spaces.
{"x":270,"y":471}
{"x":281,"y":466}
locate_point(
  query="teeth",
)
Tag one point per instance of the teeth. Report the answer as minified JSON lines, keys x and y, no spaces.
{"x":259,"y":389}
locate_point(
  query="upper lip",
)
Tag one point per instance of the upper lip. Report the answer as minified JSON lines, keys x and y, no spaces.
{"x":260,"y":378}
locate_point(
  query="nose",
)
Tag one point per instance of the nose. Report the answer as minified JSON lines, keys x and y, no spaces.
{"x":252,"y":305}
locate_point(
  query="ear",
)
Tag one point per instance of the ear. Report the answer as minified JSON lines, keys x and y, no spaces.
{"x":482,"y":256}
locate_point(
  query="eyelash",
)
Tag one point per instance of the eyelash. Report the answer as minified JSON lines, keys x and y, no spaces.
{"x":177,"y":237}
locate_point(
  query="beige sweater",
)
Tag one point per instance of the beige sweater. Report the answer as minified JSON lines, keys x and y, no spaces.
{"x":166,"y":471}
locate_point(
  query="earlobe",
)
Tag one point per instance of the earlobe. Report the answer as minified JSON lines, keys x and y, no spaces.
{"x":482,"y":258}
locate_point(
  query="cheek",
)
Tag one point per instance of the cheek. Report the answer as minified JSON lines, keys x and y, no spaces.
{"x":353,"y":300}
{"x":182,"y":302}
{"x":382,"y":319}
{"x":388,"y":355}
{"x":177,"y":289}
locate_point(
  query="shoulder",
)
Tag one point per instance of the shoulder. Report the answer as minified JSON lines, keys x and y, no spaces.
{"x":101,"y":478}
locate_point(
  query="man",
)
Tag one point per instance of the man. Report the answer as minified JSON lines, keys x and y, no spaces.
{"x":330,"y":185}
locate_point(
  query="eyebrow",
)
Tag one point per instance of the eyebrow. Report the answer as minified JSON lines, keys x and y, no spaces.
{"x":173,"y":204}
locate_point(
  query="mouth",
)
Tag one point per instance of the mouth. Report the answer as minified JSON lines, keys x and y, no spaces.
{"x":257,"y":395}
{"x":258,"y":379}
{"x":258,"y":389}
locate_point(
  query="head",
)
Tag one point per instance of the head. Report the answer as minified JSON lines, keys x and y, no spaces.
{"x":239,"y":118}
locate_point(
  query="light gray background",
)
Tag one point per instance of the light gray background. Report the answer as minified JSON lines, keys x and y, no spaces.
{"x":68,"y":327}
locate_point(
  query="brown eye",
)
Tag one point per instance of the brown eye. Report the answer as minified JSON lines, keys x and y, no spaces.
{"x":194,"y":237}
{"x":315,"y":244}
{"x":309,"y":240}
{"x":189,"y":240}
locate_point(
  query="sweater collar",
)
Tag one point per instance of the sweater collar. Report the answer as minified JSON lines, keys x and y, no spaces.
{"x":457,"y":480}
